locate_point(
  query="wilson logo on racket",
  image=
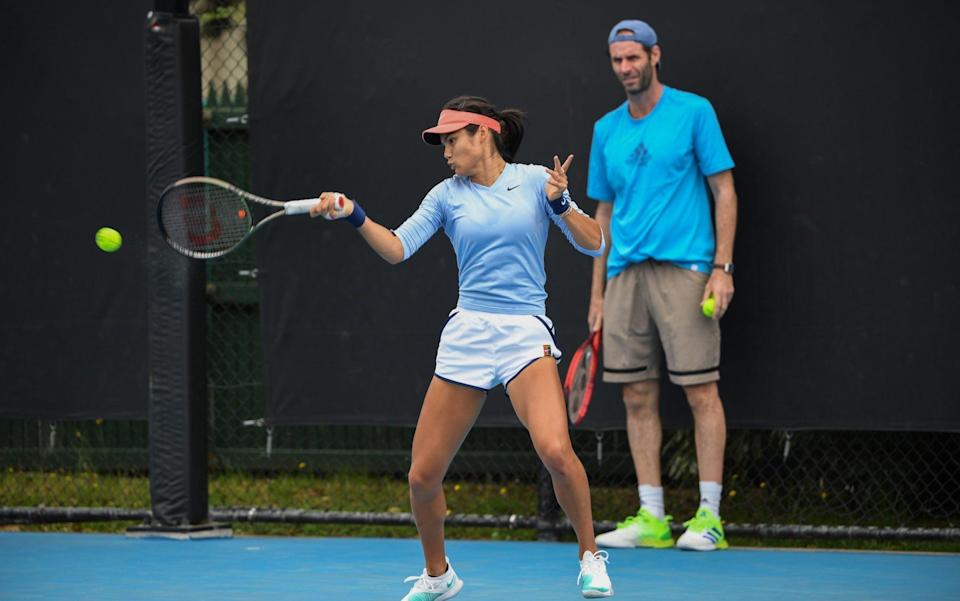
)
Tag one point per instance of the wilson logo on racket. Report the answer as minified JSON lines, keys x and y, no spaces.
{"x":197,"y":214}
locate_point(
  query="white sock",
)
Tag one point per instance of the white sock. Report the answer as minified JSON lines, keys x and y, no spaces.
{"x":710,"y":494}
{"x":651,"y":499}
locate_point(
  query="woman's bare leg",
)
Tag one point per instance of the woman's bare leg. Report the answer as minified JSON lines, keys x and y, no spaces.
{"x":448,"y":413}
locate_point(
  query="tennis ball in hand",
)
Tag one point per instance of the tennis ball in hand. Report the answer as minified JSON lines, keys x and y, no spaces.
{"x":708,"y":306}
{"x":108,"y":239}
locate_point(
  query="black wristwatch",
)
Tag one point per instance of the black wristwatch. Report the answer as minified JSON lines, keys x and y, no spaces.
{"x":726,"y":267}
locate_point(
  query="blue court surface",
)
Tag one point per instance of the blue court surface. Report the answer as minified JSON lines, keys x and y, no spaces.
{"x":98,"y":566}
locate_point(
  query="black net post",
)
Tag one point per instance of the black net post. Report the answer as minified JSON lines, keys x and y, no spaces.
{"x":548,"y":510}
{"x":176,"y":310}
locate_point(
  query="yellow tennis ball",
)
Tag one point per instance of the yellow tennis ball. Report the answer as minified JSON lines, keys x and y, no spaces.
{"x":108,"y":239}
{"x":708,"y":306}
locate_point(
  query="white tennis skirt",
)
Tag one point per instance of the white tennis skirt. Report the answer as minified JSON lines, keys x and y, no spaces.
{"x":481,"y":350}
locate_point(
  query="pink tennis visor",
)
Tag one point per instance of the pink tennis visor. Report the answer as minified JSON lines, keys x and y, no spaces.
{"x":451,"y":120}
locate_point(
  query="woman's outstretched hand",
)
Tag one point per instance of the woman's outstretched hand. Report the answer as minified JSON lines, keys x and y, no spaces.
{"x":332,"y":205}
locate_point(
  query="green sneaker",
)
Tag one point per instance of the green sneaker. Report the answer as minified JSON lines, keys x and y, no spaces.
{"x":704,"y":533}
{"x":641,"y":530}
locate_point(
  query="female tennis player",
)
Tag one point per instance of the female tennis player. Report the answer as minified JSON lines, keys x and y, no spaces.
{"x":497,"y":215}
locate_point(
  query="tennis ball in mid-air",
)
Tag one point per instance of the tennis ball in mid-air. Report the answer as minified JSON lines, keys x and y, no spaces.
{"x":708,"y":306}
{"x":108,"y":239}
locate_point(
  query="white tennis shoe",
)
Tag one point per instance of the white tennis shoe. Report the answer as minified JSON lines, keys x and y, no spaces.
{"x":593,"y":579}
{"x":434,"y":588}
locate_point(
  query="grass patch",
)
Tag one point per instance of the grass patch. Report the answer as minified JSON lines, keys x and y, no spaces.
{"x":361,"y":492}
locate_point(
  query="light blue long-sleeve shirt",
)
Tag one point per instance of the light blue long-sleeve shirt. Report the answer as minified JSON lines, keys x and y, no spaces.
{"x":498,"y":233}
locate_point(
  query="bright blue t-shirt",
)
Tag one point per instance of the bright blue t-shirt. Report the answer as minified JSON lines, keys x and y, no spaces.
{"x":653,"y":171}
{"x":498,"y":233}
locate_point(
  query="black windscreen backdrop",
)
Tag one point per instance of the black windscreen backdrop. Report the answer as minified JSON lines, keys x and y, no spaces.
{"x":72,"y":318}
{"x":841,"y":118}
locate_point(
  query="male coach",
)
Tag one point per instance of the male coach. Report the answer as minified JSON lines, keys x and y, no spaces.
{"x":651,"y":162}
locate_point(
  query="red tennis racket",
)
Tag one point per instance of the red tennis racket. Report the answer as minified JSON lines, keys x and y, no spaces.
{"x":578,"y":383}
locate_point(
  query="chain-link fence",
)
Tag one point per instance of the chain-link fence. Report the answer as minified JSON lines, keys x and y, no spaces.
{"x":898,"y":480}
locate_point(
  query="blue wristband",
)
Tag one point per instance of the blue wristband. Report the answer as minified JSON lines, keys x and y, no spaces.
{"x":357,"y":217}
{"x":560,"y":205}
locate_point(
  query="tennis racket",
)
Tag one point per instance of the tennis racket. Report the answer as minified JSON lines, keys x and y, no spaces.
{"x":578,"y":383}
{"x":204,"y":218}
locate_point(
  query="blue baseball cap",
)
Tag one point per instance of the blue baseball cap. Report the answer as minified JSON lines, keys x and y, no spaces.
{"x":639,"y":32}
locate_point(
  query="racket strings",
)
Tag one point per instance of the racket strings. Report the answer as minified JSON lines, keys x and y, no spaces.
{"x":581,"y":378}
{"x":204,"y":218}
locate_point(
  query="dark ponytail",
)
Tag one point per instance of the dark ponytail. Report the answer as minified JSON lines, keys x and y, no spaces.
{"x":511,"y":122}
